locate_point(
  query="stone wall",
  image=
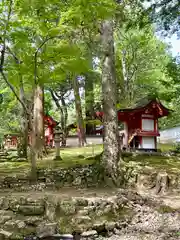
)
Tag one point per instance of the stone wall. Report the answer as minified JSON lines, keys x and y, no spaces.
{"x":82,"y":176}
{"x":50,"y":215}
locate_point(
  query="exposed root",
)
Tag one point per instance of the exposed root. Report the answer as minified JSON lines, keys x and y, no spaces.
{"x":162,"y":183}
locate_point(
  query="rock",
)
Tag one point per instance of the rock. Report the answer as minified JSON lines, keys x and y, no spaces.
{"x":82,"y":219}
{"x":4,"y":219}
{"x":19,"y":159}
{"x":46,"y":229}
{"x":39,"y":201}
{"x":67,"y":208}
{"x":77,"y":181}
{"x":20,"y":224}
{"x":33,"y":220}
{"x":116,"y":231}
{"x":99,"y":226}
{"x":82,"y":202}
{"x":91,"y":233}
{"x":63,"y":237}
{"x":83,"y":212}
{"x":107,"y":209}
{"x":28,"y":210}
{"x":99,"y":213}
{"x":10,"y":225}
{"x":109,"y":226}
{"x":4,"y":203}
{"x":5,"y":234}
{"x":14,"y":224}
{"x":50,"y":211}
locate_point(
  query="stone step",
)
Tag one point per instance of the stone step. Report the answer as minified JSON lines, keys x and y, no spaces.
{"x":4,"y":155}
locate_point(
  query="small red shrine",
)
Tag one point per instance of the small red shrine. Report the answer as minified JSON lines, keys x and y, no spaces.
{"x":11,"y":140}
{"x":141,"y":124}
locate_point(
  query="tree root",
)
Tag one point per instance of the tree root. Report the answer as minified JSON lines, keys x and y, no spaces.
{"x":162,"y":183}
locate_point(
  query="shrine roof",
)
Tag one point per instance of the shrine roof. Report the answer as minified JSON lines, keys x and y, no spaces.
{"x":143,"y":103}
{"x":50,"y":120}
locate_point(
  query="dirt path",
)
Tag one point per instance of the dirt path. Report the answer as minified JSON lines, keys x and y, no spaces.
{"x":66,"y":193}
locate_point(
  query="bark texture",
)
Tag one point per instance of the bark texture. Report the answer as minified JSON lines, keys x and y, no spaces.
{"x":111,"y":155}
{"x":38,"y":121}
{"x":162,"y":183}
{"x":23,"y":145}
{"x":79,"y":116}
{"x":89,"y":100}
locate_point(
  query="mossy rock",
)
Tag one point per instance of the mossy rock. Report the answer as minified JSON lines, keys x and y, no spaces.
{"x":66,"y":208}
{"x":31,"y":210}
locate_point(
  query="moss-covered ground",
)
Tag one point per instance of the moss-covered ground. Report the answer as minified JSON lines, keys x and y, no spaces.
{"x":72,"y":157}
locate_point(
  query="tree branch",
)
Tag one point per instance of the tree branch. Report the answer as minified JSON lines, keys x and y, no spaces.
{"x":36,"y":55}
{"x":4,"y":36}
{"x":3,"y":56}
{"x":13,"y":90}
{"x":14,"y":56}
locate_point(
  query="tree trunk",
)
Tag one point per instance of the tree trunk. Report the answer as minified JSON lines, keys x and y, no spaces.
{"x":33,"y":150}
{"x":111,"y":154}
{"x":162,"y":183}
{"x":89,"y":101}
{"x":38,"y":121}
{"x":125,"y":77}
{"x":64,"y":113}
{"x":64,"y":121}
{"x":22,"y":148}
{"x":79,"y":116}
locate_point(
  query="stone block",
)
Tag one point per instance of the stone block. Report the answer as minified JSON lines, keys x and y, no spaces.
{"x":29,"y":210}
{"x":46,"y":229}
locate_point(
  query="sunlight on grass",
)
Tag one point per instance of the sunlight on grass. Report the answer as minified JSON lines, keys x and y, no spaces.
{"x":71,"y":157}
{"x":165,"y":147}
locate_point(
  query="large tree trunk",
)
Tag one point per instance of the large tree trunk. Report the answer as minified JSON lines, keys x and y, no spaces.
{"x":32,"y":143}
{"x":79,"y":116}
{"x":89,"y":100}
{"x":125,"y":77}
{"x":38,"y":120}
{"x":64,"y":118}
{"x":111,"y":154}
{"x":22,"y":148}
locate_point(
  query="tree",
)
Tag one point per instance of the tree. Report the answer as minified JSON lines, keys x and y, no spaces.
{"x":141,"y":60}
{"x":109,"y":93}
{"x":79,"y":115}
{"x":59,"y":93}
{"x":166,"y":14}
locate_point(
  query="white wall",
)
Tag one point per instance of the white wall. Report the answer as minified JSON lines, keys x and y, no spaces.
{"x":170,"y":135}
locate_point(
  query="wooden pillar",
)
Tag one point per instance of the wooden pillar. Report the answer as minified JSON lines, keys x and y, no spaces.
{"x":125,"y":134}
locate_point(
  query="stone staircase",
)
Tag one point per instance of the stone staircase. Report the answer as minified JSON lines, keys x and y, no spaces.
{"x":4,"y":156}
{"x":10,"y":156}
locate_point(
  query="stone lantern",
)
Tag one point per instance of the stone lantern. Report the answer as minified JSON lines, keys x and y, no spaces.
{"x":57,"y":140}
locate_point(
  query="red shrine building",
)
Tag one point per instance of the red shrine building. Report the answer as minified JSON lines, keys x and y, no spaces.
{"x":11,"y":140}
{"x":141,"y":124}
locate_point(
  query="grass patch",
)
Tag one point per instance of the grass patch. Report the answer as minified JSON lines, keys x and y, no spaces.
{"x":71,"y":157}
{"x":165,"y":147}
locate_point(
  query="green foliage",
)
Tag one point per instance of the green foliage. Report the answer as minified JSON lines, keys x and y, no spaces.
{"x":145,"y":59}
{"x":66,"y":37}
{"x":166,"y":14}
{"x":177,"y":148}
